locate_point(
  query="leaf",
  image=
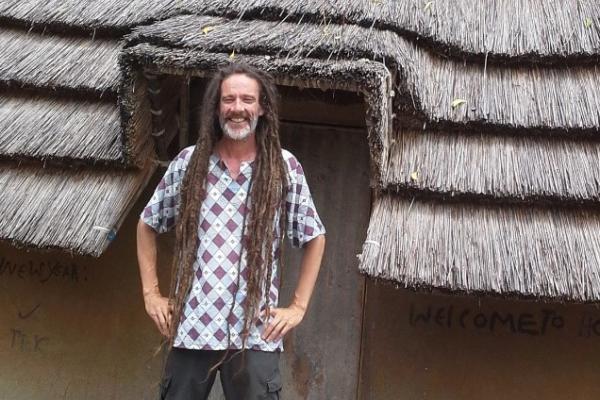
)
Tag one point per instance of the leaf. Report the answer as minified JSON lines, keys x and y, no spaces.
{"x":587,"y":22}
{"x":457,"y":102}
{"x":414,"y":176}
{"x":232,"y":55}
{"x":207,"y":29}
{"x":428,"y":6}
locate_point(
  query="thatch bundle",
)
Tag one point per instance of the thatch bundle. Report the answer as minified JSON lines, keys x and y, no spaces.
{"x":46,"y":127}
{"x":529,"y":169}
{"x":79,"y":210}
{"x":115,"y":17}
{"x":529,"y":251}
{"x":37,"y":60}
{"x":506,"y":30}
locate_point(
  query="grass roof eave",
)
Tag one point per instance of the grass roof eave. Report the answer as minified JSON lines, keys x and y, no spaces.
{"x":442,"y":90}
{"x":497,"y":168}
{"x":538,"y":252}
{"x":58,"y":62}
{"x":47,"y":127}
{"x":74,"y":210}
{"x":98,"y":19}
{"x":539,"y":31}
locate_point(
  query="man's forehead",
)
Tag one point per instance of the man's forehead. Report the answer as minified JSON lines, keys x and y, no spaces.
{"x":238,"y":83}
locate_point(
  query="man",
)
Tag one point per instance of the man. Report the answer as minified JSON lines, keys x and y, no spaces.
{"x":230,"y":198}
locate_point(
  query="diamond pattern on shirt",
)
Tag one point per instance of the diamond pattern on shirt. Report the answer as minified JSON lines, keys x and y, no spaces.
{"x":213,"y":314}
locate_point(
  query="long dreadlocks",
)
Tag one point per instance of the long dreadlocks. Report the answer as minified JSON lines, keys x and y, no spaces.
{"x":267,"y":194}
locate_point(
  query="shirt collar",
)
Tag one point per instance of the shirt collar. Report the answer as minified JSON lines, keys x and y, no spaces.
{"x":245,"y":166}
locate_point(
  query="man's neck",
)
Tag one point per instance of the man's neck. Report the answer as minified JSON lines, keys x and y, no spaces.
{"x":234,"y":152}
{"x":239,"y":150}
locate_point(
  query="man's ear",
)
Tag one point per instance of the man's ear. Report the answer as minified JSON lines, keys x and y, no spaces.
{"x":261,"y":112}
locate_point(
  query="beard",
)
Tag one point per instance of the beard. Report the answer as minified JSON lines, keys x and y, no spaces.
{"x":238,"y":134}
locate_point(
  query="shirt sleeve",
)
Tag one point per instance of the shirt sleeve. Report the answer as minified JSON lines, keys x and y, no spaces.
{"x":303,"y":222}
{"x":162,"y":210}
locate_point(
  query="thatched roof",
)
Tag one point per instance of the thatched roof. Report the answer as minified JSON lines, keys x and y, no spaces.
{"x":493,"y":95}
{"x":494,"y":167}
{"x":503,"y":152}
{"x":46,"y":127}
{"x":113,"y":18}
{"x":548,"y":252}
{"x":507,"y":30}
{"x":70,"y":173}
{"x":58,"y":62}
{"x":78,"y":210}
{"x":482,"y":117}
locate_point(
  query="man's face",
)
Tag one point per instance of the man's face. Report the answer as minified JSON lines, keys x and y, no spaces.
{"x":239,"y":106}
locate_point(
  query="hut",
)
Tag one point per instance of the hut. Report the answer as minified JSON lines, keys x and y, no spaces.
{"x":452,"y":148}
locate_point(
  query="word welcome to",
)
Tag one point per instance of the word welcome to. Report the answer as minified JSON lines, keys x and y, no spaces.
{"x":42,"y":271}
{"x":525,"y":323}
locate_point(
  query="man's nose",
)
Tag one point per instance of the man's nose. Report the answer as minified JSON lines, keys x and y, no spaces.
{"x":238,"y":105}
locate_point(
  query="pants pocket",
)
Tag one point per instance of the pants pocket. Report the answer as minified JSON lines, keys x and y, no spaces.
{"x":274,"y":387}
{"x":165,"y":383}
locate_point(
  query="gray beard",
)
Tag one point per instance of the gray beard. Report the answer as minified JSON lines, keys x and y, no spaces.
{"x":238,"y":135}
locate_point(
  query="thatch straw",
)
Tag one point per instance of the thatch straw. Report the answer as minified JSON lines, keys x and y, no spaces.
{"x":550,"y":98}
{"x":58,"y":128}
{"x":502,"y":167}
{"x":58,"y":62}
{"x":532,"y":252}
{"x":222,"y":35}
{"x":78,"y":210}
{"x":101,"y":16}
{"x":370,"y":79}
{"x":538,"y":30}
{"x":521,"y":97}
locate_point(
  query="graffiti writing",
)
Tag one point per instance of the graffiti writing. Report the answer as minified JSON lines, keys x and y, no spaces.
{"x":26,"y":342}
{"x":589,"y":326}
{"x":42,"y":271}
{"x":25,"y":315}
{"x":526,"y":323}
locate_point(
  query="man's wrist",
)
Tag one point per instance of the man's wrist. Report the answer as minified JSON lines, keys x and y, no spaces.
{"x":152,"y":290}
{"x":299,"y":305}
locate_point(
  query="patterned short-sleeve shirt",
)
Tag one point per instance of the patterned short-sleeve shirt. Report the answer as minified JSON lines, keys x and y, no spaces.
{"x":213,"y":314}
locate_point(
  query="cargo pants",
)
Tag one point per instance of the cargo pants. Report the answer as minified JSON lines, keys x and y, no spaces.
{"x":247,"y":375}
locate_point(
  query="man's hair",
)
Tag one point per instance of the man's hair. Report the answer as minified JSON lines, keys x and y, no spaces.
{"x":267,"y":195}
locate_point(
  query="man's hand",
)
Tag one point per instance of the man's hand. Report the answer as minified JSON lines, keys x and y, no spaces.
{"x":282,"y":321}
{"x":159,"y":310}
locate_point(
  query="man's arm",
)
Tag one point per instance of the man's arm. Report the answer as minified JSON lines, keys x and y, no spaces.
{"x":157,"y":306}
{"x":285,"y":319}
